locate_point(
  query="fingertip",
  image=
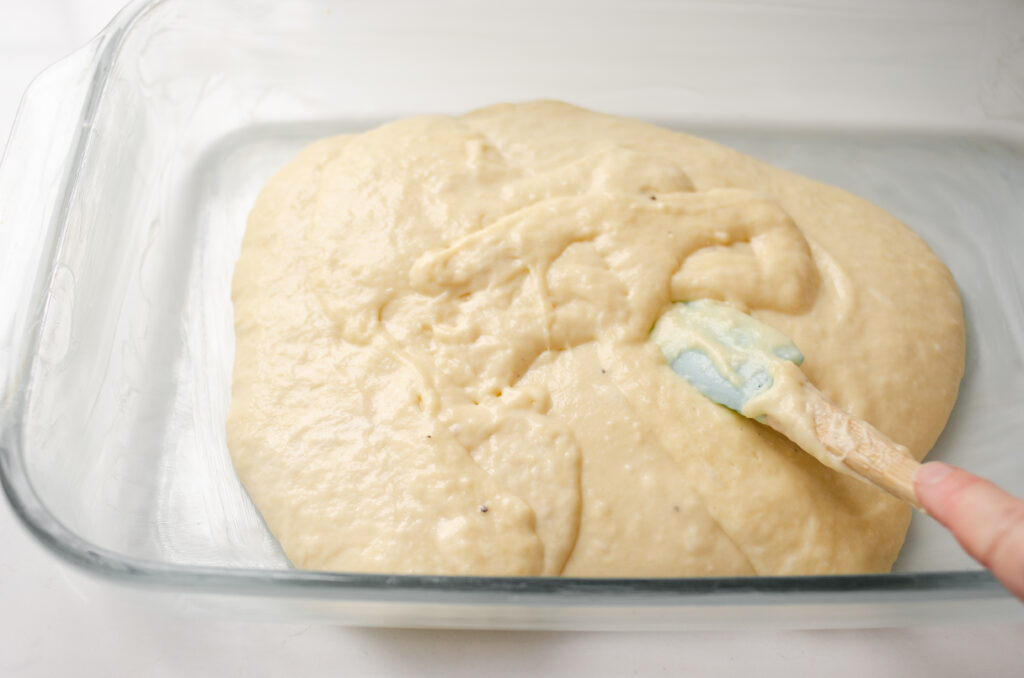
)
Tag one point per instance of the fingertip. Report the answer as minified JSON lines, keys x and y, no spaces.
{"x":928,"y":486}
{"x":986,"y":520}
{"x":939,"y":488}
{"x":931,"y":473}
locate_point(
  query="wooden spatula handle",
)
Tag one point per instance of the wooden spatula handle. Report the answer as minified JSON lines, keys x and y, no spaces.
{"x":864,"y":449}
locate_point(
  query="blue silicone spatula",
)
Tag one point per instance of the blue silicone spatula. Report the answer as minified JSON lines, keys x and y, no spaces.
{"x":747,"y":366}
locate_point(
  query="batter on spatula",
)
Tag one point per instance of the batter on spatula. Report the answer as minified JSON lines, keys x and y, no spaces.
{"x":443,"y":361}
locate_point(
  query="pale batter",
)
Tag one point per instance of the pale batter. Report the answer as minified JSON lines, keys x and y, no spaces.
{"x":443,"y":362}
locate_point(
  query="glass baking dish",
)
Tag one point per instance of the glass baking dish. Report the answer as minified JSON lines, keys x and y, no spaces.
{"x":126,"y":183}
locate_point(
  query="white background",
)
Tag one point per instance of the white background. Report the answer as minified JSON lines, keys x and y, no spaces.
{"x":51,"y":624}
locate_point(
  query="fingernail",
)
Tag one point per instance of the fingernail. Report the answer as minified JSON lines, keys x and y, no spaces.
{"x":931,"y":473}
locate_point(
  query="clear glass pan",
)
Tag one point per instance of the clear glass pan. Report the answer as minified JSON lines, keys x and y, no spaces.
{"x":125,"y":185}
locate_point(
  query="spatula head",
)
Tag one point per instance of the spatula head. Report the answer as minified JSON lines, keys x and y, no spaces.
{"x":722,"y":352}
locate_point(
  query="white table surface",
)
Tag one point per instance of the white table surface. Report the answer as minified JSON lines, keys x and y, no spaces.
{"x":51,"y":625}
